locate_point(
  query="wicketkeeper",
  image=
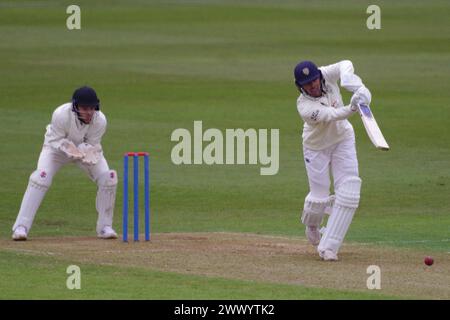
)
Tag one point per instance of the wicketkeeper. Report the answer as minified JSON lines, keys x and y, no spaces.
{"x":73,"y":136}
{"x":329,"y":146}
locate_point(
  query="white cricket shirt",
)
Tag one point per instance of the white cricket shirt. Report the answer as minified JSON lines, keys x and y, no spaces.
{"x":66,"y":125}
{"x":325,"y":117}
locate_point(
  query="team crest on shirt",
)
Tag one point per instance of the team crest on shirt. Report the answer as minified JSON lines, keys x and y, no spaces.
{"x":43,"y":174}
{"x":305,"y":71}
{"x":314,"y":115}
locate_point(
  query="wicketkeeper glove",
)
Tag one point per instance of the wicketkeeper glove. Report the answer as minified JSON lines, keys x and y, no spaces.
{"x":69,"y":148}
{"x":91,"y":153}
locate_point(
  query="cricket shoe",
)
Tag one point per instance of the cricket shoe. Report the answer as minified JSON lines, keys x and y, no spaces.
{"x":107,"y":233}
{"x":328,"y":255}
{"x":20,"y":234}
{"x":313,"y":235}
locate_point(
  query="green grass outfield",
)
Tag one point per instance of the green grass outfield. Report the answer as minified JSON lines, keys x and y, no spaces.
{"x":158,"y":66}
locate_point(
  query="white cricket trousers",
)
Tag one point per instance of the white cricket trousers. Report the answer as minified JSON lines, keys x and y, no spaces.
{"x":339,"y":158}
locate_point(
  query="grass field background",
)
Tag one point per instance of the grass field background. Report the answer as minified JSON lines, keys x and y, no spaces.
{"x":158,"y":66}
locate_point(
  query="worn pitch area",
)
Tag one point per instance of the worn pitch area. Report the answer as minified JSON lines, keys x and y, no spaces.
{"x":255,"y":257}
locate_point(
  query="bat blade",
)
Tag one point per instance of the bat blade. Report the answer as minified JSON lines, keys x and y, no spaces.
{"x":372,"y":128}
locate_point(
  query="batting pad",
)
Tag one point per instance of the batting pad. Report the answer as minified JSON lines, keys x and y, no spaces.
{"x":346,"y":203}
{"x":314,"y":210}
{"x":38,"y":185}
{"x":106,"y":197}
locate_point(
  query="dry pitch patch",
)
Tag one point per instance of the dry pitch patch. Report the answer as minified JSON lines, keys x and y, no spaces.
{"x":260,"y":258}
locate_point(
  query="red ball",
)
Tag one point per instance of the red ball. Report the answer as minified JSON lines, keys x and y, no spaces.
{"x":428,"y":261}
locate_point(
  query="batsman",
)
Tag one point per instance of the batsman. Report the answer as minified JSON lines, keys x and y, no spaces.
{"x":329,"y":148}
{"x":73,"y":136}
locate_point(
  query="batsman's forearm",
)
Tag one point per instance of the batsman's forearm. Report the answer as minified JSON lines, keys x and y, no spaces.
{"x":327,"y":114}
{"x":338,"y":114}
{"x":349,"y":80}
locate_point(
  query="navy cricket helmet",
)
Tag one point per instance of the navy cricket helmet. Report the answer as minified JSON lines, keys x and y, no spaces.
{"x":85,"y":96}
{"x":305,"y":72}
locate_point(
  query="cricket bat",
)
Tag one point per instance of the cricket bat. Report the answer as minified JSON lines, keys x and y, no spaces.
{"x":372,"y":128}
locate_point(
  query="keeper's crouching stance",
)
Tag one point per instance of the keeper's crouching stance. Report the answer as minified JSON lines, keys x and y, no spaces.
{"x":329,"y":144}
{"x":73,"y":136}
